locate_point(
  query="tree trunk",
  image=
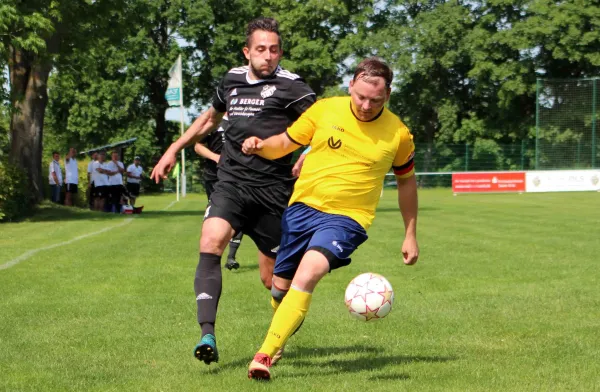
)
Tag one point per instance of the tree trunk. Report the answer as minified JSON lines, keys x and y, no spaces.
{"x":29,"y":97}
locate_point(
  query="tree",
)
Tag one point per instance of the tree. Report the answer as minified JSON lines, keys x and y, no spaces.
{"x":34,"y":35}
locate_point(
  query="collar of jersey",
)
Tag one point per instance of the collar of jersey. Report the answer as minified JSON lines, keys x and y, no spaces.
{"x":371,"y":120}
{"x":251,"y":81}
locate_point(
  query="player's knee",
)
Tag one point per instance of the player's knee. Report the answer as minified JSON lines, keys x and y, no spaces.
{"x":267,"y":281}
{"x":277,"y":293}
{"x":213,"y":241}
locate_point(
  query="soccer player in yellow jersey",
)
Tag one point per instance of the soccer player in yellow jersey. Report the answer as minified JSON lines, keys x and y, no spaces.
{"x":355,"y":141}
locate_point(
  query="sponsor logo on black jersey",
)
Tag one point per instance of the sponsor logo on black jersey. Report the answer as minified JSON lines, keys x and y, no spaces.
{"x":267,"y":91}
{"x":234,"y":92}
{"x":334,"y":144}
{"x":234,"y":101}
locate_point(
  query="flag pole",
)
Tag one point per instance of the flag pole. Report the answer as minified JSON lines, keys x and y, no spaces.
{"x":183,"y":178}
{"x":177,"y":186}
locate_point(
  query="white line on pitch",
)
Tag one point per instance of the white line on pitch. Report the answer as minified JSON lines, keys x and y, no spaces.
{"x":30,"y":253}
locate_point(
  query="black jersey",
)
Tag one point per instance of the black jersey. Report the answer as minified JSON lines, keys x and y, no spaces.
{"x":214,"y":142}
{"x":260,"y":108}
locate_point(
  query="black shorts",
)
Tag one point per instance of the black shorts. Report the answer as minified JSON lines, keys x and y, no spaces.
{"x":115,"y":192}
{"x":71,"y":188}
{"x":101,"y":192}
{"x":209,"y":187}
{"x":255,"y":211}
{"x":133,"y":189}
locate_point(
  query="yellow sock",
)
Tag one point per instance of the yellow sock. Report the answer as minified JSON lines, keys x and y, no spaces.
{"x":286,"y":320}
{"x":274,"y":304}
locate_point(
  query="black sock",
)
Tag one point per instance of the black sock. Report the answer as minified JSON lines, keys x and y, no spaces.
{"x":208,"y":328}
{"x":234,"y":244}
{"x":207,"y":286}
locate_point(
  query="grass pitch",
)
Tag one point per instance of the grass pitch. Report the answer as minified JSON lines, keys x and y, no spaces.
{"x":505,"y":297}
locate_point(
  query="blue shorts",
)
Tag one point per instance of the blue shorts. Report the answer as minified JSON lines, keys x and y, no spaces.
{"x":305,"y":228}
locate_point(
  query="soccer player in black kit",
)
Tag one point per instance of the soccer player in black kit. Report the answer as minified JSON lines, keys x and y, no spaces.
{"x":262,"y":100}
{"x":210,"y":149}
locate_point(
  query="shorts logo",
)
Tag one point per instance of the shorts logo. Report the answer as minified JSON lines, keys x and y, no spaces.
{"x":338,"y":246}
{"x":203,"y":296}
{"x":206,"y":212}
{"x":275,"y":249}
{"x":334,"y":144}
{"x":267,"y":91}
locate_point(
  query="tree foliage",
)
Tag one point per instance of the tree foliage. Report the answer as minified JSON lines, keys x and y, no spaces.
{"x":465,"y":70}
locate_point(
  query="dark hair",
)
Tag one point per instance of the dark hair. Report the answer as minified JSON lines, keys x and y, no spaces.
{"x":55,"y":152}
{"x":264,"y":24}
{"x":374,"y":67}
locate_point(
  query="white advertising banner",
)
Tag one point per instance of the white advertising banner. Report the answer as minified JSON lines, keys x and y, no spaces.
{"x":562,"y":181}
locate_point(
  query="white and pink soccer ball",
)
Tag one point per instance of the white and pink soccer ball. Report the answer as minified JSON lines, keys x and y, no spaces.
{"x":369,"y":297}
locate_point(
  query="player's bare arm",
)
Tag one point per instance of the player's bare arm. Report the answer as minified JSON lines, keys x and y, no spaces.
{"x":203,"y":151}
{"x":204,"y":124}
{"x":409,"y":205}
{"x":272,"y":148}
{"x":298,"y":166}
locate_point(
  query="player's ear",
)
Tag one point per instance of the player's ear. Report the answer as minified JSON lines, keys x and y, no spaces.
{"x":246,"y":51}
{"x":350,"y":85}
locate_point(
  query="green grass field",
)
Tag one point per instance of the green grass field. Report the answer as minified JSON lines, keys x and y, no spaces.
{"x":506,"y":296}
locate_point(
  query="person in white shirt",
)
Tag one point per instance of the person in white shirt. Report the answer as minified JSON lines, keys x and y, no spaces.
{"x":90,"y":186}
{"x":55,"y":177}
{"x":71,"y":176}
{"x":115,"y":182}
{"x":134,"y":178}
{"x":100,"y":180}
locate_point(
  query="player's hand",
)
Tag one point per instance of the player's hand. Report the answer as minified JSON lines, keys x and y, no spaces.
{"x":163,"y":167}
{"x":410,"y":250}
{"x":252,"y":145}
{"x":298,"y":166}
{"x":217,"y":159}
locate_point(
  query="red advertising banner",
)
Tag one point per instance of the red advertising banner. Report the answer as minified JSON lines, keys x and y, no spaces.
{"x":488,"y":182}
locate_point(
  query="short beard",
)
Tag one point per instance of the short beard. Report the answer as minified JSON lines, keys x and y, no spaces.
{"x":260,"y":74}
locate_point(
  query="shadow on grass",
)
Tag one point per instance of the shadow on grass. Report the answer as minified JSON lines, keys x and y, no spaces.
{"x":368,"y":362}
{"x":370,"y":358}
{"x":246,"y":267}
{"x":48,"y":212}
{"x":390,"y":377}
{"x":396,"y":209}
{"x":168,"y":213}
{"x":300,"y":352}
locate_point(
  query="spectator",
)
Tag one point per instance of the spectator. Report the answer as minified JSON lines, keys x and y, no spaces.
{"x":134,"y":178}
{"x":115,"y":170}
{"x":100,"y":180}
{"x":90,"y":179}
{"x":71,"y":176}
{"x":55,"y":177}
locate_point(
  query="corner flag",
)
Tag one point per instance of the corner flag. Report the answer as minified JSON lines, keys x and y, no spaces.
{"x":174,"y":93}
{"x":176,"y":171}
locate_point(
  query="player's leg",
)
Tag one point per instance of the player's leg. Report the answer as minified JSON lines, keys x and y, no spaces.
{"x":133,"y":191}
{"x":234,"y":245}
{"x":290,"y":314}
{"x":91,"y":191}
{"x":222,"y":218}
{"x":68,"y":198}
{"x":295,"y":238}
{"x":330,"y":247}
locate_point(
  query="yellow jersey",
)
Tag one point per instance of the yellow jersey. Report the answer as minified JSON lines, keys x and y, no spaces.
{"x":344,"y":172}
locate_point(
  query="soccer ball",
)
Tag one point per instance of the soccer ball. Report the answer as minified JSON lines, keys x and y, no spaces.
{"x":369,"y":297}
